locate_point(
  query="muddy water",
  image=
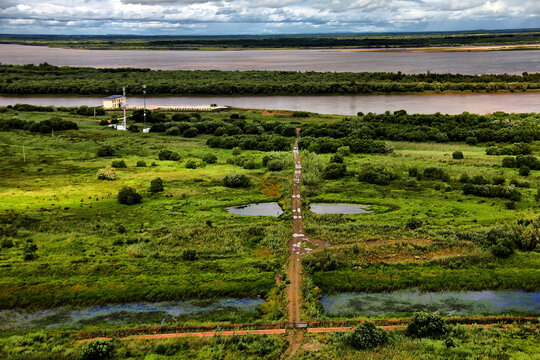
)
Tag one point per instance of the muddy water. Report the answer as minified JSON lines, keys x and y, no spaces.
{"x":265,"y":209}
{"x":463,"y":303}
{"x":346,"y":209}
{"x":132,"y":313}
{"x":339,"y":104}
{"x":511,"y":62}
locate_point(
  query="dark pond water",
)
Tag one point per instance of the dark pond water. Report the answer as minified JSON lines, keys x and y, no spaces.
{"x":264,"y":209}
{"x":463,"y":303}
{"x":346,"y":209}
{"x":511,"y":62}
{"x":338,"y":104}
{"x":140,"y":313}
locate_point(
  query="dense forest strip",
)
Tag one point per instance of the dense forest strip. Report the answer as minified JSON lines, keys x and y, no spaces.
{"x":385,"y":40}
{"x":45,"y":79}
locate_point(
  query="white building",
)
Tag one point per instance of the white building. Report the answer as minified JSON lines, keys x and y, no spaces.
{"x":114,"y":102}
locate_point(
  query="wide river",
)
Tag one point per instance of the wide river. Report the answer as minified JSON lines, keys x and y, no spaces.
{"x":340,"y":104}
{"x":477,"y":62}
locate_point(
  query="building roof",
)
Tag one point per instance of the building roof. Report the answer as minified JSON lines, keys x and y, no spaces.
{"x":113,"y":97}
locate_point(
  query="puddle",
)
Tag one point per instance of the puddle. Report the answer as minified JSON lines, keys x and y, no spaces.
{"x":132,"y":313}
{"x":264,"y":209}
{"x":459,"y":303}
{"x":346,"y":209}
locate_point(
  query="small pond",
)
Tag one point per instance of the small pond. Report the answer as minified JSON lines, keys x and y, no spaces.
{"x":131,"y":313}
{"x":461,"y":303}
{"x":346,"y":209}
{"x":264,"y":209}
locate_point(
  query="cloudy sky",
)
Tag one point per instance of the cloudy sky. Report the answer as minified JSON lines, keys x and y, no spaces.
{"x":220,"y":17}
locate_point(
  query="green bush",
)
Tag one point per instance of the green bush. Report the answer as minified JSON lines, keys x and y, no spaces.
{"x":191,"y":164}
{"x":168,"y":155}
{"x":503,"y":249}
{"x":414,"y":223}
{"x":338,"y":159}
{"x":250,"y":164}
{"x":435,"y":173}
{"x":471,"y":140}
{"x":129,"y":196}
{"x":236,"y":181}
{"x":366,"y":336}
{"x":424,"y":325}
{"x":156,"y":185}
{"x":210,"y":158}
{"x":236,"y":151}
{"x":188,"y":255}
{"x":97,"y":350}
{"x":334,"y":171}
{"x":118,"y":164}
{"x":190,"y":132}
{"x":106,"y":174}
{"x":498,"y":180}
{"x":457,"y":155}
{"x":103,"y":122}
{"x":413,"y":172}
{"x":141,"y":163}
{"x":29,"y":250}
{"x":275,"y":164}
{"x":524,"y":171}
{"x":105,"y":150}
{"x":344,"y":151}
{"x":509,"y":162}
{"x":174,"y":131}
{"x":377,"y":175}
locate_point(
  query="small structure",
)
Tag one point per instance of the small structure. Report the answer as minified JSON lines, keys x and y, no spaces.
{"x":114,"y":102}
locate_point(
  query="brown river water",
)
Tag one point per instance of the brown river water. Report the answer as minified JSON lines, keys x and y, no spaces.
{"x":477,"y":62}
{"x":337,"y":104}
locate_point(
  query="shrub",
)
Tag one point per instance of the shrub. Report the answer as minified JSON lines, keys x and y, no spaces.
{"x":121,"y":229}
{"x":118,"y":164}
{"x":510,"y":205}
{"x":344,"y":151}
{"x":503,"y":248}
{"x":141,"y":163}
{"x":190,"y":132}
{"x":250,"y":164}
{"x":129,"y":196}
{"x":236,"y":151}
{"x":520,"y":184}
{"x":471,"y":140}
{"x":275,"y":164}
{"x":105,"y":150}
{"x":366,"y":336}
{"x":377,"y":175}
{"x":414,"y":223}
{"x":168,"y":155}
{"x":103,"y":122}
{"x":236,"y":181}
{"x":191,"y":164}
{"x":338,"y":159}
{"x":133,"y":128}
{"x":490,"y":191}
{"x":156,"y":185}
{"x":528,"y":160}
{"x":426,"y":325}
{"x":457,"y":155}
{"x":106,"y":174}
{"x":509,"y":162}
{"x":464,"y":178}
{"x":498,"y":180}
{"x":97,"y":350}
{"x":524,"y":171}
{"x":413,"y":172}
{"x":188,"y":255}
{"x":174,"y":131}
{"x":210,"y":158}
{"x":435,"y":174}
{"x":334,"y":171}
{"x":300,"y":114}
{"x":29,"y":250}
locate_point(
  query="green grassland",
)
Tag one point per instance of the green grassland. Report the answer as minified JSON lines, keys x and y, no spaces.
{"x":86,"y":258}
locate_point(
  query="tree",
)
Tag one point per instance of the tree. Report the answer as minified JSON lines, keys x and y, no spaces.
{"x":129,"y":196}
{"x":334,"y":171}
{"x":236,"y":181}
{"x":210,"y":158}
{"x":97,"y":350}
{"x":156,"y":185}
{"x":105,"y":150}
{"x":524,"y":170}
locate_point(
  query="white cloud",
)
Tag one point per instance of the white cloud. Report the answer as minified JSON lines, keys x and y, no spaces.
{"x":235,"y":16}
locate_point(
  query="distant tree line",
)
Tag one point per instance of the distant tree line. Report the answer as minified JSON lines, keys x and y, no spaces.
{"x":47,"y":79}
{"x":45,"y":126}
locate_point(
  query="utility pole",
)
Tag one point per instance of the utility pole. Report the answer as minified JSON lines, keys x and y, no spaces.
{"x":124,"y":93}
{"x":94,"y":113}
{"x":144,"y":92}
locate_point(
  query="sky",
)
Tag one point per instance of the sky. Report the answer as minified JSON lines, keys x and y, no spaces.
{"x":224,"y":17}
